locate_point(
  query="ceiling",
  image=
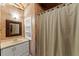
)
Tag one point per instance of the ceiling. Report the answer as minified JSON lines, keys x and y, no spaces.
{"x":47,"y":6}
{"x":44,"y":6}
{"x":21,"y":6}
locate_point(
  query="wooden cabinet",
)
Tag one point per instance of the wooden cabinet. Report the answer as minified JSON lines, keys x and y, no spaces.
{"x":17,"y":50}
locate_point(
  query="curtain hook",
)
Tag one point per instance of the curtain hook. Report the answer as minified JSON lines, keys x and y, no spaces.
{"x":57,"y":6}
{"x":52,"y":9}
{"x":63,"y":4}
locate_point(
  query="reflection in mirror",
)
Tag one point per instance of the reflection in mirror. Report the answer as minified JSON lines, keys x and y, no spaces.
{"x":14,"y":28}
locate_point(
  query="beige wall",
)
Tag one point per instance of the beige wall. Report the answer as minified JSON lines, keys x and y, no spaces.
{"x":6,"y":11}
{"x":30,"y":11}
{"x":0,"y":22}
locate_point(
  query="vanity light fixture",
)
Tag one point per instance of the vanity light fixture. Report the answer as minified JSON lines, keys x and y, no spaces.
{"x":15,"y":16}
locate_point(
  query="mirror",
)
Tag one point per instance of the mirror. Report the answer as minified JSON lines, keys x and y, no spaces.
{"x":13,"y":28}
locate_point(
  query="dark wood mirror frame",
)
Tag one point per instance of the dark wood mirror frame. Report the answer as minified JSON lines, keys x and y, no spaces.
{"x":8,"y":33}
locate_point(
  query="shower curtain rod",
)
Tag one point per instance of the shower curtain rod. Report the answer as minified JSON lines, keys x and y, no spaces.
{"x":58,"y":6}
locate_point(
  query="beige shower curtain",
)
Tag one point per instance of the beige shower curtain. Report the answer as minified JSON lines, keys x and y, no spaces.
{"x":58,"y":31}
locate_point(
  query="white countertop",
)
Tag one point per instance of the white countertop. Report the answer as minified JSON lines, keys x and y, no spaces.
{"x":9,"y":42}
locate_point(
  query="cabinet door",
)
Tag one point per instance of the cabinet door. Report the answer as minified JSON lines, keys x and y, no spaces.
{"x":7,"y":51}
{"x":22,"y":49}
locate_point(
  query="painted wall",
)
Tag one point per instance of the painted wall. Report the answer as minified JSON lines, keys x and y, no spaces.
{"x":6,"y":13}
{"x":31,"y":11}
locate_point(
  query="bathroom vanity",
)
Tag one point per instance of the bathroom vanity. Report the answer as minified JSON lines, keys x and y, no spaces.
{"x":14,"y":44}
{"x":12,"y":48}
